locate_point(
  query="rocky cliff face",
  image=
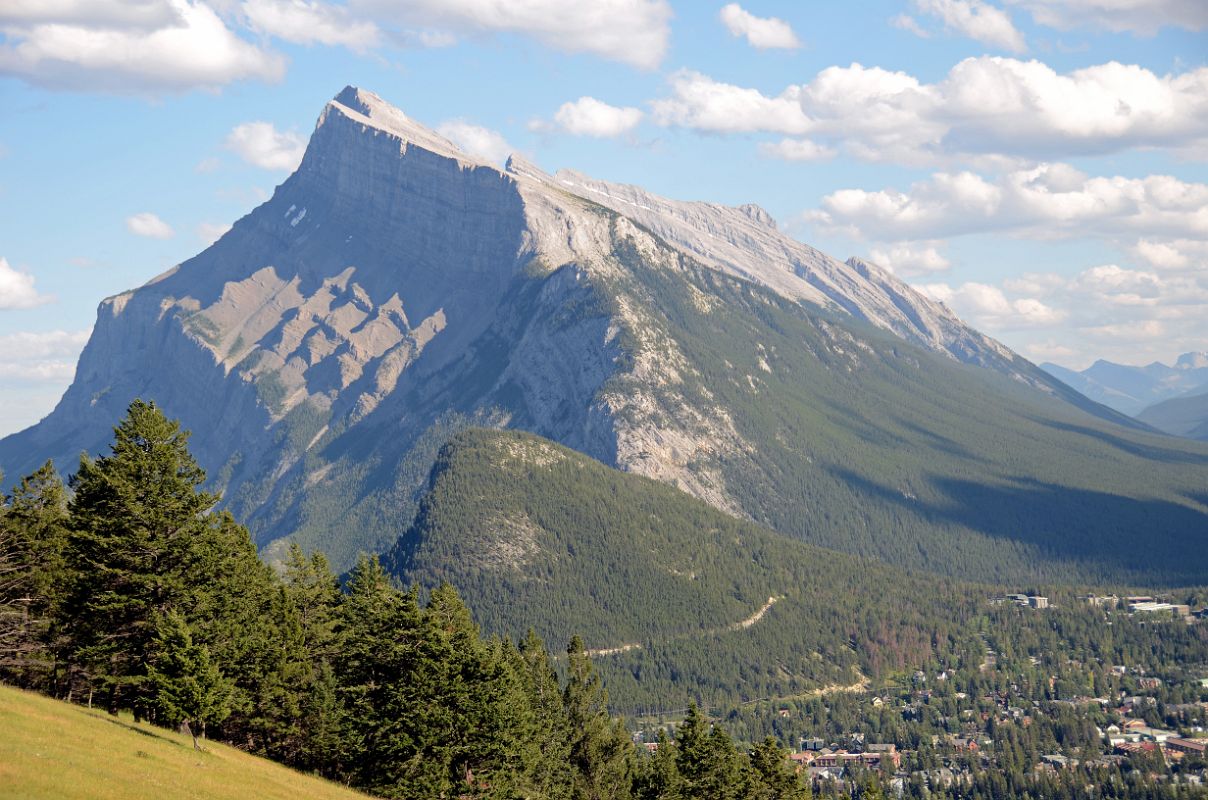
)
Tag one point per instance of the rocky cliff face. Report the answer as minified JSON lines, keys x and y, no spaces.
{"x":395,"y":289}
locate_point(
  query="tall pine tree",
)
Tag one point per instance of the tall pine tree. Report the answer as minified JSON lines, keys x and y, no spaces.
{"x":135,"y":516}
{"x":601,"y":751}
{"x":33,"y":530}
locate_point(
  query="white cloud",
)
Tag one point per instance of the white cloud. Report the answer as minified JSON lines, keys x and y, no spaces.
{"x":1172,"y":254}
{"x":1048,"y":201}
{"x":311,"y":22}
{"x":262,"y":145}
{"x":476,"y":140}
{"x":588,"y":116}
{"x":761,"y":32}
{"x":210,"y":232}
{"x":149,"y":225}
{"x":1133,"y":314}
{"x":976,"y":19}
{"x":127,"y":48}
{"x":909,"y":259}
{"x":987,"y":306}
{"x":35,"y":369}
{"x":17,"y":288}
{"x":706,"y":105}
{"x":635,"y":32}
{"x":909,"y":23}
{"x":796,"y":150}
{"x":1049,"y":350}
{"x":132,"y":14}
{"x":987,"y":108}
{"x":41,"y":357}
{"x":1144,"y":17}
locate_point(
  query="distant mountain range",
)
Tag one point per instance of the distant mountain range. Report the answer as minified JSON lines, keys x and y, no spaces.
{"x":395,"y":291}
{"x":1131,"y":390}
{"x":1186,"y":415}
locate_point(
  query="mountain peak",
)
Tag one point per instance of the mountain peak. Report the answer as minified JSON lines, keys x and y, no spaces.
{"x":1194,"y":360}
{"x":371,"y":112}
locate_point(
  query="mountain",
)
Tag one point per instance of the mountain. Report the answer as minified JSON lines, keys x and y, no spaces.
{"x":675,"y":599}
{"x":1186,"y":415}
{"x":395,"y":290}
{"x":1131,"y":389}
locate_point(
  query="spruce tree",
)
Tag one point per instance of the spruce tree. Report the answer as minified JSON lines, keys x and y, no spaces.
{"x":384,"y":665}
{"x":33,"y":529}
{"x":772,"y":778}
{"x":660,"y":778}
{"x":601,"y":752}
{"x":134,"y":518}
{"x":186,"y":687}
{"x":551,"y":775}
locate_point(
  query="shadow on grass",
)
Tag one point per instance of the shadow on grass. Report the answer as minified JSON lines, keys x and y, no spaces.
{"x":130,"y":726}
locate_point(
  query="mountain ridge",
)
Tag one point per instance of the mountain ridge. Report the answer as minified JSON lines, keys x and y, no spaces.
{"x":1132,"y":389}
{"x":394,"y":290}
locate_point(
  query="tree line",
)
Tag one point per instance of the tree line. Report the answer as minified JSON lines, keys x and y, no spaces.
{"x":127,"y":590}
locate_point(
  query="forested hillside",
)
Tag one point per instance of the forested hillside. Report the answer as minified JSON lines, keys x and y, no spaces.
{"x":861,"y":443}
{"x":126,"y":591}
{"x":686,"y":601}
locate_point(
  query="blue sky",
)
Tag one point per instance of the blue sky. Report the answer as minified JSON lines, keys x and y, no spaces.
{"x":1040,"y":166}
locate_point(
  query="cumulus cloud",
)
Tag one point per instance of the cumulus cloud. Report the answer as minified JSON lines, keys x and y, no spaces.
{"x":1144,"y":17}
{"x":987,"y":107}
{"x":910,"y":259}
{"x":709,"y":106}
{"x":262,"y":145}
{"x":908,"y":23}
{"x":149,"y":46}
{"x":43,"y":356}
{"x":311,"y":22}
{"x":764,"y":33}
{"x":1048,"y":201}
{"x":210,"y":232}
{"x":476,"y":140}
{"x":17,"y":288}
{"x":797,"y":150}
{"x":978,"y":20}
{"x":1135,"y":314}
{"x":588,"y":116}
{"x":988,"y":307}
{"x":634,"y":32}
{"x":149,"y":225}
{"x":1172,"y":254}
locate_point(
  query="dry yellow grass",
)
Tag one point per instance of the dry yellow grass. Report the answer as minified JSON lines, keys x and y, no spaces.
{"x":51,"y":750}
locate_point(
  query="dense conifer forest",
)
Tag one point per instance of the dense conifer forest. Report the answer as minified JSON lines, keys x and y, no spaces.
{"x":126,"y":590}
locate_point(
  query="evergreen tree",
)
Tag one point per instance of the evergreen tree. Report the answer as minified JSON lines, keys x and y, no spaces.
{"x":551,"y":776}
{"x":772,"y":778}
{"x":33,"y":528}
{"x":187,"y":687}
{"x":134,"y":519}
{"x":389,"y":699}
{"x":312,"y":594}
{"x":660,"y":778}
{"x":601,"y":752}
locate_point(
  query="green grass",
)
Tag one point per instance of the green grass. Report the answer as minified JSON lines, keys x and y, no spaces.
{"x":50,"y":750}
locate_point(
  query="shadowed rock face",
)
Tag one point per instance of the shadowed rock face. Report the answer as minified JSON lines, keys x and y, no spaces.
{"x":395,"y":289}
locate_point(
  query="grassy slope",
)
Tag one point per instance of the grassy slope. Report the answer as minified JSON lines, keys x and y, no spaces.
{"x":51,"y":750}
